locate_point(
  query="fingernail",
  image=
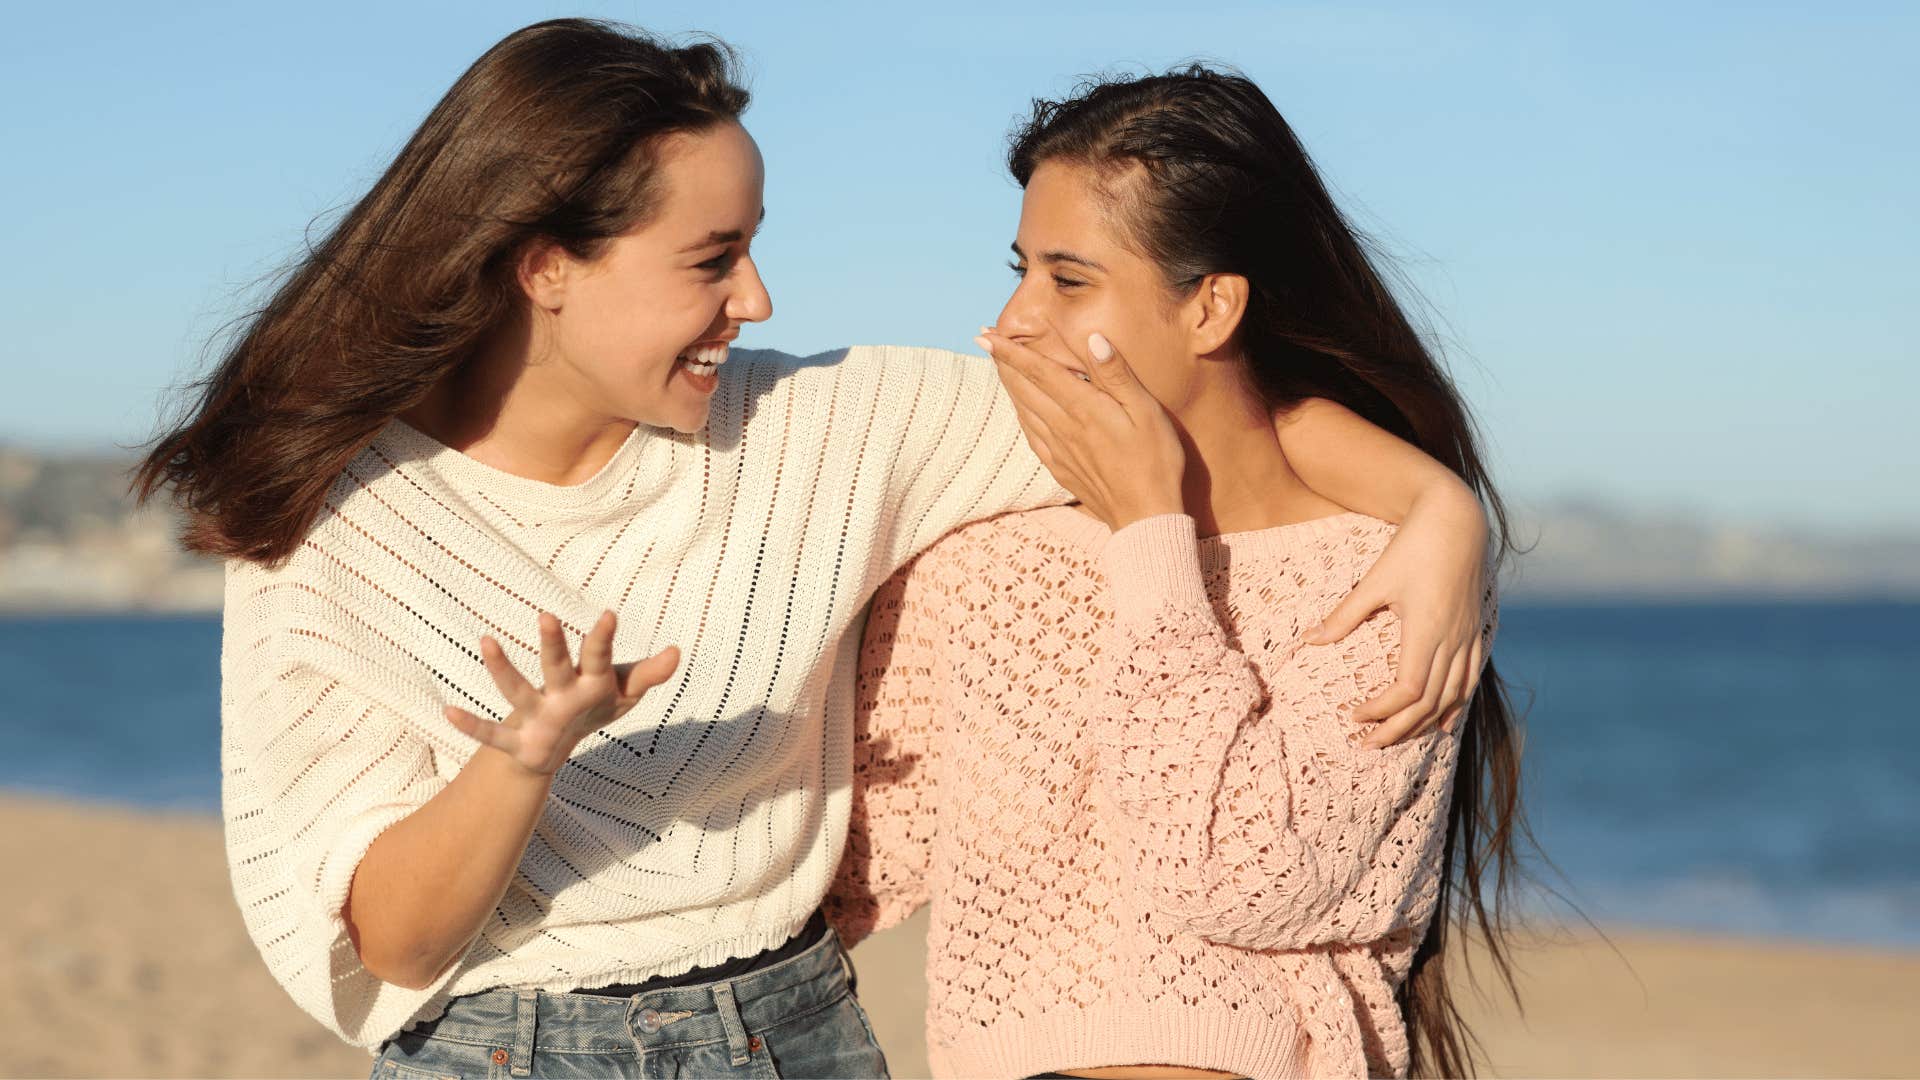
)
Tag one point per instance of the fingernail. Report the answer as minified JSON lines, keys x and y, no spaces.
{"x":985,"y":345}
{"x":1100,"y":347}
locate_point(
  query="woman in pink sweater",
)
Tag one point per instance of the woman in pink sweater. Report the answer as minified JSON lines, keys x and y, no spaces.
{"x":1157,"y":839}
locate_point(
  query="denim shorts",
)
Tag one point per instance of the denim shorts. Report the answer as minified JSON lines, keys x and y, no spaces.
{"x":796,"y":1018}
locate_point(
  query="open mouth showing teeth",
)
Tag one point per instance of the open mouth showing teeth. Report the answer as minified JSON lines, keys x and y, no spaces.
{"x":704,"y":359}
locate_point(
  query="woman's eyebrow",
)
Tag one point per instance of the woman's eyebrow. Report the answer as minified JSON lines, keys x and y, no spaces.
{"x":1060,"y":257}
{"x":718,"y":237}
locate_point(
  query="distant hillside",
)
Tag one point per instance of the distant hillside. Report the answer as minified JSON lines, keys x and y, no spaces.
{"x":70,"y":541}
{"x":1591,"y":551}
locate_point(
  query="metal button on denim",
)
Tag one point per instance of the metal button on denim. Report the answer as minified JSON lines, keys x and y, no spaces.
{"x":650,"y":1021}
{"x":499,"y":1057}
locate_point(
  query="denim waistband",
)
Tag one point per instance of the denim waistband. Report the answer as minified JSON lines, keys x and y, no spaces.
{"x":673,"y":1017}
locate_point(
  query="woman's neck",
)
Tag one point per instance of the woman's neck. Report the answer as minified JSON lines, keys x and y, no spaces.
{"x":521,"y":416}
{"x":1238,"y":478}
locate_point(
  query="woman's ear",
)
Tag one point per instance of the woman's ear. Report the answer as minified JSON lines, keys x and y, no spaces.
{"x":543,"y":269}
{"x":1220,"y":302}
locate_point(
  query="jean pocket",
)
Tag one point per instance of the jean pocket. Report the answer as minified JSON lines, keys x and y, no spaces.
{"x":412,"y":1056}
{"x":847,"y":969}
{"x":836,"y":1041}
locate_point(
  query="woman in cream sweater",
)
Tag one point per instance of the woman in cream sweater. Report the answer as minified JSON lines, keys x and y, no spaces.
{"x":536,"y":687}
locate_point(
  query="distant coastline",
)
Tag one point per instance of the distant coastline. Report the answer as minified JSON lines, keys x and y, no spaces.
{"x":1577,"y":551}
{"x":72,"y":542}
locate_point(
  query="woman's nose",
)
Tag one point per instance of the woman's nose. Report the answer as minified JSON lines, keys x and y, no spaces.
{"x":1019,"y":320}
{"x":751,"y":302}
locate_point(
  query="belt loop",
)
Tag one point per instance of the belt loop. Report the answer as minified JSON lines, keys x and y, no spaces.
{"x":846,"y":968}
{"x":526,"y":1009}
{"x":729,"y":1011}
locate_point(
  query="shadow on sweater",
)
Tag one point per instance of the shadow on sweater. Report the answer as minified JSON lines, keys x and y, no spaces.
{"x":725,"y":437}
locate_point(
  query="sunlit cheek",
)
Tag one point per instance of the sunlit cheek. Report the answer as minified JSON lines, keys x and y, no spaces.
{"x":1070,"y":315}
{"x":1094,"y":314}
{"x":1165,"y":371}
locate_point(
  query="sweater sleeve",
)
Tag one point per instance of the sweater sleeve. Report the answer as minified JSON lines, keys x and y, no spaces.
{"x":314,"y":770}
{"x":1252,"y":816}
{"x":899,"y":704}
{"x":961,"y":454}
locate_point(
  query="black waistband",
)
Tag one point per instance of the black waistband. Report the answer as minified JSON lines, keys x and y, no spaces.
{"x":807,"y":938}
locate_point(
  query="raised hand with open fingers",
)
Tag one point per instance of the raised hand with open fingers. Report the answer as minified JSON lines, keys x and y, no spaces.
{"x":1106,"y":440}
{"x":573,"y":701}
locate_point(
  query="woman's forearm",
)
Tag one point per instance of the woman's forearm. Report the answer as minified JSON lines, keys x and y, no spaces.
{"x":1434,"y":573}
{"x":428,"y":884}
{"x":1341,"y":456}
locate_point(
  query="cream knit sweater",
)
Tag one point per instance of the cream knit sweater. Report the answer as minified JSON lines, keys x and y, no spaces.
{"x":707,"y":823}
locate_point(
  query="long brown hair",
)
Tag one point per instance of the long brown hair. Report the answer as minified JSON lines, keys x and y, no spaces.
{"x":551,"y":136}
{"x":1229,"y":189}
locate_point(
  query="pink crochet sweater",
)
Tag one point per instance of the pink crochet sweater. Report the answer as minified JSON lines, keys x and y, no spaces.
{"x":1136,"y":801}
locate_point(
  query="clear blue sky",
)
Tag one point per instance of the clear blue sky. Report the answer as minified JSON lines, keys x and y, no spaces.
{"x":1671,"y":247}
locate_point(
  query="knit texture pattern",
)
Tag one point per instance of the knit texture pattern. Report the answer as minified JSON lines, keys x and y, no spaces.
{"x":1136,"y":800}
{"x":705,"y":824}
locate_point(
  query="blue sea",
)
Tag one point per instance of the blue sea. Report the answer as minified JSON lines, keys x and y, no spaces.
{"x":1752,"y":768}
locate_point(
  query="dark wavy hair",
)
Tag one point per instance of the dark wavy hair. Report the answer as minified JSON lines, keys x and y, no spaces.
{"x":1203,"y":176}
{"x":552,"y":135}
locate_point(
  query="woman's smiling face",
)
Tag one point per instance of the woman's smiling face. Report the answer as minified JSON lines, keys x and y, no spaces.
{"x":1078,"y":275}
{"x":630,"y":322}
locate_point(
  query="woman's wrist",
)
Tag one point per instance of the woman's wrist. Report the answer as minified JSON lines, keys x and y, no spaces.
{"x":1133,"y":515}
{"x":1159,"y":496}
{"x":497,"y":767}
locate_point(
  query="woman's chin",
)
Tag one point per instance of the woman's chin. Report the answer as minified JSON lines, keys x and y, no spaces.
{"x":682,"y":407}
{"x":687,"y":418}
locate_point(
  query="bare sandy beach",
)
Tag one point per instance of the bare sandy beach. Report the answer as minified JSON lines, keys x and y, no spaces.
{"x":125,"y":956}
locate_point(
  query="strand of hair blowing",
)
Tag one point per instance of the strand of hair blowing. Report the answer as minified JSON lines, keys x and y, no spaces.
{"x":1204,"y":177}
{"x":551,"y":136}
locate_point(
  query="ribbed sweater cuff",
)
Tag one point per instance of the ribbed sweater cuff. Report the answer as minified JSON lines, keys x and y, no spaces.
{"x":1153,"y":565}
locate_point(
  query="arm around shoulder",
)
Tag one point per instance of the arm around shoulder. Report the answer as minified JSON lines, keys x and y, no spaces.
{"x":1346,"y":458}
{"x":954,"y":447}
